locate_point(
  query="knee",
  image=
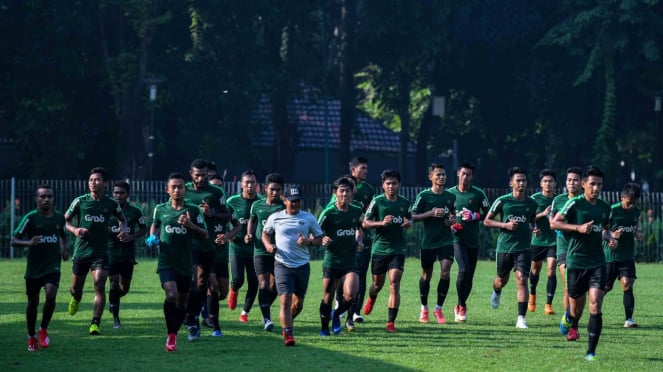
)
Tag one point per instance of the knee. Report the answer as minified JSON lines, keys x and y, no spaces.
{"x":445,"y":275}
{"x":171,"y":297}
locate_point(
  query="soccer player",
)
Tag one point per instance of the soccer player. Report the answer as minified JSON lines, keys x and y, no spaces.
{"x":516,"y":213}
{"x":42,"y":232}
{"x":88,"y":219}
{"x":241,"y":249}
{"x":573,"y":181}
{"x":174,"y":224}
{"x":621,"y":260}
{"x":212,"y":201}
{"x":341,"y":225}
{"x":389,"y":214}
{"x":435,"y":207}
{"x":586,"y":219}
{"x":544,"y":245}
{"x":263,"y":260}
{"x":291,"y":229}
{"x":471,"y":204}
{"x":122,"y":249}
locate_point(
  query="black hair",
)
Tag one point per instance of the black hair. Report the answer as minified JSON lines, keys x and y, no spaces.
{"x":591,"y":170}
{"x":516,"y":170}
{"x":631,"y":190}
{"x":175,"y":175}
{"x":547,"y":172}
{"x":357,"y":161}
{"x":574,"y":170}
{"x":124,"y":185}
{"x":43,"y":186}
{"x":274,"y":178}
{"x":435,"y":166}
{"x":467,"y":165}
{"x":342,"y":181}
{"x":247,"y":173}
{"x":390,"y":173}
{"x":101,"y":170}
{"x":200,"y":164}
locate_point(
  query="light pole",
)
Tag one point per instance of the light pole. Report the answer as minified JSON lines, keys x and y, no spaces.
{"x":153,"y":82}
{"x":657,"y":110}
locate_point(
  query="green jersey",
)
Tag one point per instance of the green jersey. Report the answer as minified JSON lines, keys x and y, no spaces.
{"x":44,"y":258}
{"x":117,"y":250}
{"x":364,"y":193}
{"x":260,"y":211}
{"x":547,"y":237}
{"x":562,"y":237}
{"x":390,"y":239}
{"x":628,"y":221}
{"x":175,"y":240}
{"x":242,"y":208}
{"x":436,"y":233}
{"x":585,"y":251}
{"x":521,"y":211}
{"x":215,"y":197}
{"x":93,"y":215}
{"x":475,"y":200}
{"x":341,"y":227}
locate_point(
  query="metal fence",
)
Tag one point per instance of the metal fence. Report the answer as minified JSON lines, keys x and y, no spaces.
{"x":17,"y":199}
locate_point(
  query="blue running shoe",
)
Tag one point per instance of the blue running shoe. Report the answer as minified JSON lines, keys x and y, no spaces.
{"x":217,"y":333}
{"x":336,"y":323}
{"x":564,"y":325}
{"x":591,"y":357}
{"x":324,"y":333}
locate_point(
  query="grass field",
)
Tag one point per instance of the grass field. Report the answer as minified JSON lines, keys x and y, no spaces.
{"x":488,"y":341}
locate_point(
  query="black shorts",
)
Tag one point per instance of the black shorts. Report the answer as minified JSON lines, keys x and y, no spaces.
{"x":329,"y":273}
{"x":82,"y":265}
{"x":183,"y":282}
{"x":519,"y":261}
{"x":620,"y":269}
{"x":381,"y":264}
{"x":539,"y":253}
{"x":123,"y":268}
{"x":34,"y":285}
{"x":561,"y":259}
{"x":220,"y":269}
{"x":264,"y":264}
{"x":204,"y":260}
{"x":291,"y":280}
{"x":579,"y":281}
{"x":429,"y":256}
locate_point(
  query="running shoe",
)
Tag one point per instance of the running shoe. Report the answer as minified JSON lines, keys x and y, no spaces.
{"x":217,"y":333}
{"x":531,"y":305}
{"x":591,"y":357}
{"x":336,"y":323}
{"x":350,"y":325}
{"x":521,"y":323}
{"x":244,"y":318}
{"x":368,"y":307}
{"x":629,"y":323}
{"x":423,"y":316}
{"x":194,"y":333}
{"x":208,"y":322}
{"x":324,"y":333}
{"x":116,"y":323}
{"x":171,"y":342}
{"x":390,"y":327}
{"x":44,"y":341}
{"x":357,"y":318}
{"x":495,"y":300}
{"x":462,"y":314}
{"x":232,"y":300}
{"x":564,"y":325}
{"x":33,"y":344}
{"x":289,"y":341}
{"x":573,"y":335}
{"x":439,"y":316}
{"x":268,"y":325}
{"x":94,"y":330}
{"x":548,"y":310}
{"x":73,"y":306}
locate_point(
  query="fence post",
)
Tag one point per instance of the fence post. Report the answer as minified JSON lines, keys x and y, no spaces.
{"x":12,"y":215}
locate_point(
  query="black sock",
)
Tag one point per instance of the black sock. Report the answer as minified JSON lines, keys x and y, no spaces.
{"x":96,"y":320}
{"x":629,"y":303}
{"x":325,"y":314}
{"x":551,"y":287}
{"x":264,"y":300}
{"x":287,"y":331}
{"x":77,"y":295}
{"x":170,"y":313}
{"x":114,"y":301}
{"x":442,"y":290}
{"x":424,"y":288}
{"x":533,"y":281}
{"x":213,"y":309}
{"x":393,"y":313}
{"x":49,"y":307}
{"x":522,"y":308}
{"x":497,"y":290}
{"x":594,"y":327}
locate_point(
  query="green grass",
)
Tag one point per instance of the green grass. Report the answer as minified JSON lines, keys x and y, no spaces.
{"x":488,"y":341}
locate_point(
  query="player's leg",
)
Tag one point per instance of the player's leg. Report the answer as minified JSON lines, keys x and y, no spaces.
{"x":427,"y":262}
{"x":80,"y":269}
{"x":395,"y":276}
{"x":504,"y":265}
{"x":51,"y":285}
{"x":237,"y":271}
{"x":363,"y":262}
{"x":328,"y":289}
{"x":301,"y":275}
{"x":627,"y":277}
{"x":595,"y":323}
{"x":521,"y":267}
{"x":551,"y":284}
{"x":32,"y":288}
{"x":252,"y":284}
{"x":99,"y":275}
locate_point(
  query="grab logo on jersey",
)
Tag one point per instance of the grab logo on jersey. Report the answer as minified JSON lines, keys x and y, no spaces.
{"x":512,"y":218}
{"x":179,"y":230}
{"x":445,"y":209}
{"x":397,"y":219}
{"x":97,"y":219}
{"x":348,"y":232}
{"x":218,"y":228}
{"x":597,"y":228}
{"x":243,"y":221}
{"x":117,"y":229}
{"x":627,"y":229}
{"x":49,"y":239}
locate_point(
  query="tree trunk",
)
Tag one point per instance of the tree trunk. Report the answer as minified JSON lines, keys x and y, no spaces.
{"x":605,"y":136}
{"x":404,"y":114}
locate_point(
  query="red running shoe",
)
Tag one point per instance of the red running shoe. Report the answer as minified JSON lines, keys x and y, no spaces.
{"x":390,"y":327}
{"x":44,"y":341}
{"x":573,"y":334}
{"x":368,"y":307}
{"x":232,"y":300}
{"x":171,"y":342}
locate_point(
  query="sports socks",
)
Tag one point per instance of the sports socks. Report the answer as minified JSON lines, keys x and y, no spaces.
{"x":629,"y":303}
{"x":594,"y":327}
{"x":442,"y":290}
{"x":393,"y":313}
{"x":522,"y":308}
{"x":551,"y":287}
{"x":533,"y":282}
{"x":424,"y":288}
{"x":325,"y":315}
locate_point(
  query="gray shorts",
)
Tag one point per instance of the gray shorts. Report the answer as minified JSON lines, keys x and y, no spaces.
{"x":291,"y":280}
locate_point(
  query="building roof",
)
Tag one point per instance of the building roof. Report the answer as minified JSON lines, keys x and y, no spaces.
{"x":368,"y":135}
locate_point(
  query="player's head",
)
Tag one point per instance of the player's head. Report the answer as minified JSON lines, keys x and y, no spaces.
{"x":274,"y":187}
{"x":343,"y":189}
{"x":215,"y":179}
{"x":517,"y":178}
{"x":592,"y":182}
{"x":630,"y":195}
{"x":292,"y":198}
{"x":44,"y":197}
{"x":211,"y":167}
{"x":198,"y":172}
{"x":248,"y":182}
{"x":547,"y":180}
{"x":437,"y":174}
{"x":573,"y":180}
{"x":465,"y":174}
{"x":98,"y":179}
{"x":391,"y":182}
{"x":121,"y":190}
{"x":359,"y":168}
{"x":352,"y":180}
{"x":175,"y":186}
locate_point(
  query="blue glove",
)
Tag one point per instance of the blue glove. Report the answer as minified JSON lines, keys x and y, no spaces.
{"x":152,"y":241}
